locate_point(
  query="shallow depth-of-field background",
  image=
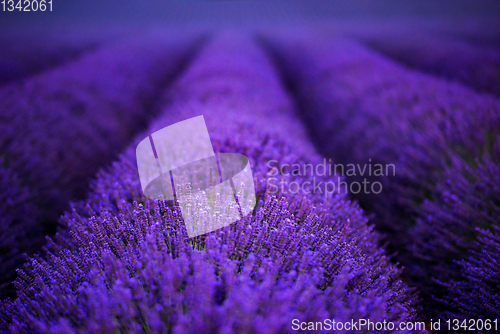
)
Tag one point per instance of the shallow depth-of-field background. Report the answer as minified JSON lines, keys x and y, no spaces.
{"x":413,"y":84}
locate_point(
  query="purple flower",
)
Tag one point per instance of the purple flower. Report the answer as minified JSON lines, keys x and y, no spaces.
{"x":462,"y":222}
{"x":476,"y":295}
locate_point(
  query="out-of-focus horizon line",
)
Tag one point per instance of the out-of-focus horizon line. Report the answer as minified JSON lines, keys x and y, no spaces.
{"x":248,"y":12}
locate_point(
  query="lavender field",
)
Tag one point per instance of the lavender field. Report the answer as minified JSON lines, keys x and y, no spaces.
{"x":374,"y":149}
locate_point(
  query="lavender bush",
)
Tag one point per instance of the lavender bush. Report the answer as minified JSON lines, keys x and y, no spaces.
{"x":127,"y":264}
{"x":59,"y":127}
{"x":361,"y":106}
{"x":479,"y":280}
{"x":462,"y":222}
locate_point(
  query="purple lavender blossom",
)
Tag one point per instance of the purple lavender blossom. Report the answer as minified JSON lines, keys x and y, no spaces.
{"x":361,"y":106}
{"x":59,"y":127}
{"x":476,"y":296}
{"x":129,"y":264}
{"x":462,"y":221}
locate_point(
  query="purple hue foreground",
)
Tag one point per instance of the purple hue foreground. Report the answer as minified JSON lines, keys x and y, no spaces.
{"x":129,"y":265}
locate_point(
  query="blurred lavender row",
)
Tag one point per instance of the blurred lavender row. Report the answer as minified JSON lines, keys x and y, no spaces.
{"x":443,"y":139}
{"x":26,"y":52}
{"x":129,"y":265}
{"x":59,"y":127}
{"x":479,"y":32}
{"x":475,"y":66}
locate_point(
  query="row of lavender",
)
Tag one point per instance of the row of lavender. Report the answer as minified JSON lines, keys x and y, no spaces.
{"x":440,"y":211}
{"x":26,"y":52}
{"x":477,"y":66}
{"x":129,"y":265}
{"x":59,"y":127}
